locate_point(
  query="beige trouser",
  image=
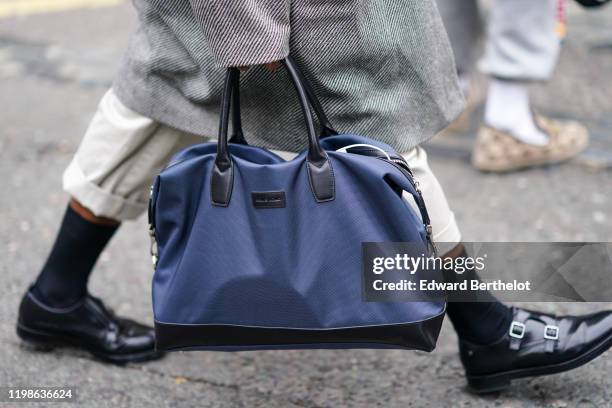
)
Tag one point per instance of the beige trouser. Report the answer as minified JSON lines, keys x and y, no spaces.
{"x":122,"y":151}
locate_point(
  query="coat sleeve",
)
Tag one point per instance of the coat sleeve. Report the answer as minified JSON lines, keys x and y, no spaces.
{"x":245,"y":32}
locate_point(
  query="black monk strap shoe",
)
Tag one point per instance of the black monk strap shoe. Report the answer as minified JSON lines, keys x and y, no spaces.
{"x":536,"y":344}
{"x":87,"y":325}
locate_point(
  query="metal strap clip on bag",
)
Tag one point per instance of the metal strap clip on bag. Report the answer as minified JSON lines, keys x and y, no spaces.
{"x":255,"y":252}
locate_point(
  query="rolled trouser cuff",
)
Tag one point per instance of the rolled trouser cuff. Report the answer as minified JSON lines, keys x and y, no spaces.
{"x":100,"y":202}
{"x":122,"y":151}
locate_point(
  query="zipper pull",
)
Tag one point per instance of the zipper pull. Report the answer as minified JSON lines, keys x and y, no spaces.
{"x":153,"y":247}
{"x":429,"y":232}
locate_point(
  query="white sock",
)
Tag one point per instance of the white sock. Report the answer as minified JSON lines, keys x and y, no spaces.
{"x":508,"y":110}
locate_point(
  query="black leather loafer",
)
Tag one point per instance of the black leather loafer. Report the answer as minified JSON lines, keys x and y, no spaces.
{"x":87,"y":325}
{"x":536,"y":344}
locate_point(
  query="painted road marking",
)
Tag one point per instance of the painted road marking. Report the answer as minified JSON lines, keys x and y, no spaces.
{"x":11,"y":8}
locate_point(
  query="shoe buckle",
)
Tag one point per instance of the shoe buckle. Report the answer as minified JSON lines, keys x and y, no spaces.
{"x":551,"y":332}
{"x":517,"y":330}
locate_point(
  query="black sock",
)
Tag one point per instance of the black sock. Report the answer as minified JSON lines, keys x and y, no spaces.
{"x":480,"y":322}
{"x":63,"y":279}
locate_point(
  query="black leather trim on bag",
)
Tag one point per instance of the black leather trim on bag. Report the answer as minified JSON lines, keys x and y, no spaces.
{"x":222,"y":178}
{"x":172,"y":337}
{"x":323,"y":188}
{"x":237,"y":133}
{"x":319,"y":168}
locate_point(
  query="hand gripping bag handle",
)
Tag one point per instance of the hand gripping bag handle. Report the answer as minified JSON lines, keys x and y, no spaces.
{"x":318,"y":166}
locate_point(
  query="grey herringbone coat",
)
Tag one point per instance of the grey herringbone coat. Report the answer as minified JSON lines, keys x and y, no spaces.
{"x":382,"y":68}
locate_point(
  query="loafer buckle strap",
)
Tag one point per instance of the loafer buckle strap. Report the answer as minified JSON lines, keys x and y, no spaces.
{"x":517,"y":329}
{"x":551,"y":334}
{"x":516,"y":332}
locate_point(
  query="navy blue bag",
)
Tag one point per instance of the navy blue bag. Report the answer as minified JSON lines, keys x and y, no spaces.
{"x":255,"y":252}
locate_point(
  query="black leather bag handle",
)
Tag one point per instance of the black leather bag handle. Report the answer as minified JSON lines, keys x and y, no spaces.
{"x":318,"y":165}
{"x":237,"y":134}
{"x":326,"y":128}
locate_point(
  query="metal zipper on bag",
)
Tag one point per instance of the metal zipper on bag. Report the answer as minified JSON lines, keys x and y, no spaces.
{"x":429,"y":232}
{"x":402,"y":166}
{"x":153,"y":247}
{"x":153,"y":250}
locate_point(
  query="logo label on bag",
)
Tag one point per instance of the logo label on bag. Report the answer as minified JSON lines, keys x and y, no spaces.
{"x":268,"y":199}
